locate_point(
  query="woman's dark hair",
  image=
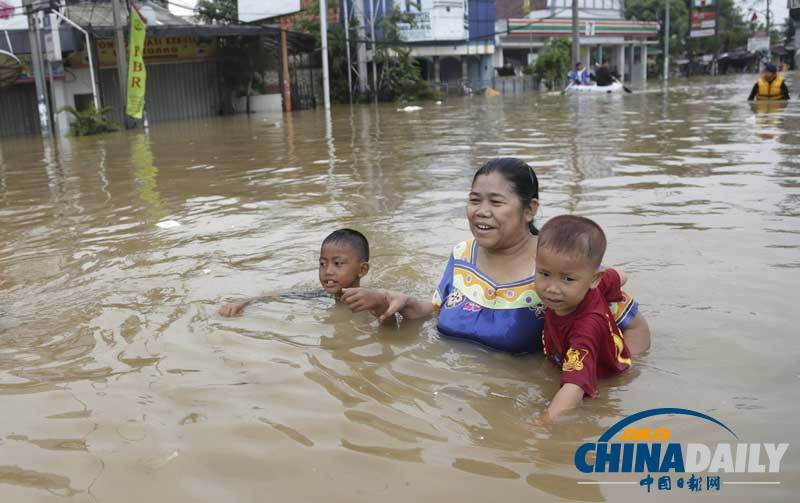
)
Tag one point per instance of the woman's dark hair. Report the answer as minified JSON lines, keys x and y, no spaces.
{"x":521,"y":177}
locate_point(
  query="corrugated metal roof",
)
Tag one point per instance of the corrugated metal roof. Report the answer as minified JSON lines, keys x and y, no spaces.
{"x":98,"y":15}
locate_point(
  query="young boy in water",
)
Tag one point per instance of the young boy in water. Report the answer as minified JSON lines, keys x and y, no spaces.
{"x":580,"y":334}
{"x":343,"y":261}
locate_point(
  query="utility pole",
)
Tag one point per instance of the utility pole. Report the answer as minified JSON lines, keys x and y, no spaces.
{"x":576,"y":44}
{"x":42,"y":99}
{"x":347,"y":45}
{"x":769,"y":37}
{"x":374,"y":65}
{"x":666,"y":42}
{"x":361,"y":51}
{"x":323,"y":28}
{"x":286,"y":87}
{"x":119,"y":48}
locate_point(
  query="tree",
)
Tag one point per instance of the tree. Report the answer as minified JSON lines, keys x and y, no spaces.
{"x":399,"y":75}
{"x":553,"y":62}
{"x":217,"y":11}
{"x":732,"y":30}
{"x":788,"y":30}
{"x":337,"y":49}
{"x":654,"y":10}
{"x":244,"y":59}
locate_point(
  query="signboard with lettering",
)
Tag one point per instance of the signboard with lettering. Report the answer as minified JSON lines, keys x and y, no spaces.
{"x":758,"y":43}
{"x":12,"y":16}
{"x":705,"y":32}
{"x":173,"y":49}
{"x":253,"y":10}
{"x":435,"y":20}
{"x":703,"y":19}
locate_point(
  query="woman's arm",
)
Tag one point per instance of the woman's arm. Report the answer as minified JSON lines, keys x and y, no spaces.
{"x":385,"y":303}
{"x":637,"y":335}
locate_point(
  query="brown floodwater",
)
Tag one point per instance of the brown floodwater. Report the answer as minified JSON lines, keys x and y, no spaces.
{"x":120,"y":382}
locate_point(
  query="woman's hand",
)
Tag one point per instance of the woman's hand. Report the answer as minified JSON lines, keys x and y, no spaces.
{"x":233,"y":309}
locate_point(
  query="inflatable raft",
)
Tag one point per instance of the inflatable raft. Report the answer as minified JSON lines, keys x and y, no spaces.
{"x":616,"y":87}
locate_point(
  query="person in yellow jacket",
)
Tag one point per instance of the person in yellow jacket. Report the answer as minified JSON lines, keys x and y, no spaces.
{"x":770,"y":86}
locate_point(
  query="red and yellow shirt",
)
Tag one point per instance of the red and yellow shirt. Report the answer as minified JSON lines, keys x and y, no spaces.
{"x":587,"y":344}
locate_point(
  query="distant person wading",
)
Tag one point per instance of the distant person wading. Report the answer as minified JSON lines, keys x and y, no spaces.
{"x":770,"y":86}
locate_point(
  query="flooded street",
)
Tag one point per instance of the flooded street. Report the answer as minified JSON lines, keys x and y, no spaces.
{"x":120,"y":382}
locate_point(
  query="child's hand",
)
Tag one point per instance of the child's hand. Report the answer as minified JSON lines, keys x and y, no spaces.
{"x":234,"y":309}
{"x":382,"y":304}
{"x":568,"y":397}
{"x":363,"y":299}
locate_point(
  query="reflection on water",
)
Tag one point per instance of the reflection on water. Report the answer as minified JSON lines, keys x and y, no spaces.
{"x":115,"y":368}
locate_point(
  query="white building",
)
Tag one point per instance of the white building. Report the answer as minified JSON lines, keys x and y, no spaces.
{"x":453,"y":39}
{"x":605,"y":34}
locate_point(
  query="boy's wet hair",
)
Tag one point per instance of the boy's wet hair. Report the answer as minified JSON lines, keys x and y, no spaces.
{"x":354,"y":239}
{"x":574,"y":236}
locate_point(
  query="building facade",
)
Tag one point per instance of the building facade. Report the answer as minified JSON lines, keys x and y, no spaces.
{"x":452,"y":39}
{"x":604,"y":34}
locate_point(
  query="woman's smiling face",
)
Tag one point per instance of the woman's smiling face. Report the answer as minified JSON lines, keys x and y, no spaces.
{"x":496,"y":217}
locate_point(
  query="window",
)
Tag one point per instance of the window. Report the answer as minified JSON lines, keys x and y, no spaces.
{"x":83,"y":101}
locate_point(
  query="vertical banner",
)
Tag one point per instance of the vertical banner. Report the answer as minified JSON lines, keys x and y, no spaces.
{"x":137,"y":75}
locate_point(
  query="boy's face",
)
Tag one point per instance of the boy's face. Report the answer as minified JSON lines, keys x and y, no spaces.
{"x":340,"y":267}
{"x":563,"y":281}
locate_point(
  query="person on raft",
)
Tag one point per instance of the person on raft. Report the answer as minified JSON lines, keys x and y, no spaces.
{"x":603,"y":75}
{"x":579,"y":76}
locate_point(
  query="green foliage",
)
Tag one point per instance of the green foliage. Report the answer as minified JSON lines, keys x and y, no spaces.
{"x":788,"y":30}
{"x":402,"y":80}
{"x":244,"y":61}
{"x":217,"y":11}
{"x":654,"y":10}
{"x":89,"y":121}
{"x":399,"y":76}
{"x":553,"y":62}
{"x":337,"y":50}
{"x":733,"y":29}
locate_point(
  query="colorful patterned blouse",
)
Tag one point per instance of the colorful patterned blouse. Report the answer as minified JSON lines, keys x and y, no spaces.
{"x":503,"y":316}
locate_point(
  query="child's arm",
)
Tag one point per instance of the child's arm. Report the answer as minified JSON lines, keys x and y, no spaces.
{"x":385,"y":303}
{"x":568,"y":397}
{"x":237,"y":308}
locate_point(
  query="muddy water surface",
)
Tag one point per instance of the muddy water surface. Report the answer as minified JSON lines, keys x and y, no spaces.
{"x":119,"y":382}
